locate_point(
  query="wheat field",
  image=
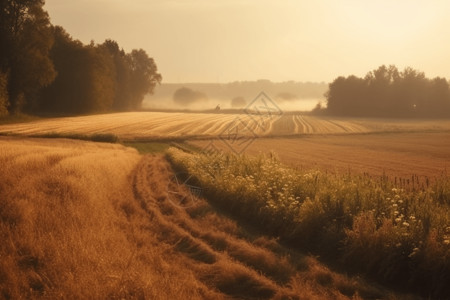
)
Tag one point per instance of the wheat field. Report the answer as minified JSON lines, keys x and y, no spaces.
{"x":402,"y":155}
{"x":86,"y":220}
{"x":148,"y":125}
{"x":70,"y":227}
{"x":94,"y":220}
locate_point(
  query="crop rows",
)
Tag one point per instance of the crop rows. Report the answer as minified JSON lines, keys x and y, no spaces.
{"x":135,"y":125}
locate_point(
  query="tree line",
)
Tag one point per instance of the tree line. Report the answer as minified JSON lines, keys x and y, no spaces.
{"x":388,"y":92}
{"x":43,"y":69}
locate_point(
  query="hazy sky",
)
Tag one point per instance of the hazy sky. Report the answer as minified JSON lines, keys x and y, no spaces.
{"x":228,"y":40}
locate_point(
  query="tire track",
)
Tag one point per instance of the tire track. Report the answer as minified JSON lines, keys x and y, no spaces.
{"x":151,"y":179}
{"x":307,"y":127}
{"x":220,"y":253}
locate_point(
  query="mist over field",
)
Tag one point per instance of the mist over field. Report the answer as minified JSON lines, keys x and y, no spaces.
{"x":288,"y":96}
{"x":153,"y":102}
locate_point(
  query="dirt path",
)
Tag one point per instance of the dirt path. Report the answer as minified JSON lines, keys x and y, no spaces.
{"x":225,"y":257}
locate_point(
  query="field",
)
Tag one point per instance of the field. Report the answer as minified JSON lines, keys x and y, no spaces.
{"x":89,"y":220}
{"x":398,"y":233}
{"x":82,"y":219}
{"x":151,"y":125}
{"x":426,"y":155}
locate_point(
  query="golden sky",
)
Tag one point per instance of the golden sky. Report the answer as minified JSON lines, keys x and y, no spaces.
{"x":228,"y":40}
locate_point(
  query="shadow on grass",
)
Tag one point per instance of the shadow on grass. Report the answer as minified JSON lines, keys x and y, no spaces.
{"x":98,"y":137}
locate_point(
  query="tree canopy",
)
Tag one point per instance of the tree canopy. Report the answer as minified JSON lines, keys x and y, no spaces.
{"x":185,"y":96}
{"x":43,"y":69}
{"x":388,"y":92}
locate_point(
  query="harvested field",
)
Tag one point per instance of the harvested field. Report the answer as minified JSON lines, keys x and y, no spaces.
{"x":154,"y":125}
{"x":393,"y":154}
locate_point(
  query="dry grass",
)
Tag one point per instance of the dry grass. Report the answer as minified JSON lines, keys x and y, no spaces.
{"x":94,"y":221}
{"x":227,"y":258}
{"x":149,"y":125}
{"x":70,"y":227}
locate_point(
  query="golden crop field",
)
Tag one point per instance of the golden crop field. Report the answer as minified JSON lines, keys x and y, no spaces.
{"x":425,"y":154}
{"x":94,"y":221}
{"x":148,"y":125}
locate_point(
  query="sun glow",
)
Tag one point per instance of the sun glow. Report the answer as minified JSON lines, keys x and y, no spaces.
{"x":390,"y":20}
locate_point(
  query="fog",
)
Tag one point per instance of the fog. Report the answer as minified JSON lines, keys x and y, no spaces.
{"x":288,"y":96}
{"x":153,"y":103}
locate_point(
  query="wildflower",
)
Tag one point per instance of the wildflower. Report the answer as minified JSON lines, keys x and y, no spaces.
{"x":406,"y":224}
{"x":394,"y":205}
{"x":446,"y":242}
{"x":412,"y":218}
{"x":400,"y":201}
{"x":398,"y":220}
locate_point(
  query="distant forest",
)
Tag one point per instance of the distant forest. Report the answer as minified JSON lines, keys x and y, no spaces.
{"x":43,"y":69}
{"x":388,"y":92}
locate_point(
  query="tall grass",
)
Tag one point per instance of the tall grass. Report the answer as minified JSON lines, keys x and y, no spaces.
{"x":400,"y":236}
{"x":70,"y":227}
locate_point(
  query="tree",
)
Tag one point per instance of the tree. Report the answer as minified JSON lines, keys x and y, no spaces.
{"x":439,"y":95}
{"x":85,"y":82}
{"x":4,"y":102}
{"x":42,"y":67}
{"x":185,"y":96}
{"x":97,"y":78}
{"x":143,"y":77}
{"x":347,"y":96}
{"x":386,"y":92}
{"x":26,"y":39}
{"x":122,"y":75}
{"x":136,"y":75}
